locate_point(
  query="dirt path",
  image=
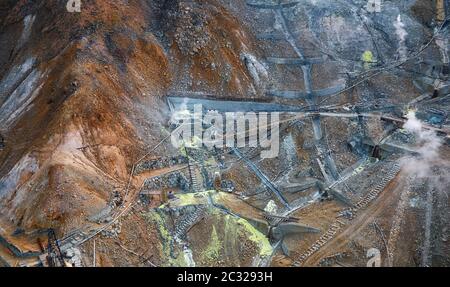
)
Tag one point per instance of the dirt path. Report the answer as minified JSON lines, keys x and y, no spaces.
{"x":138,"y":181}
{"x":355,"y":226}
{"x":426,"y":258}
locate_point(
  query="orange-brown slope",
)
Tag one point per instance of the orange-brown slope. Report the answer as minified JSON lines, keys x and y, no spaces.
{"x":73,"y":146}
{"x":96,"y":101}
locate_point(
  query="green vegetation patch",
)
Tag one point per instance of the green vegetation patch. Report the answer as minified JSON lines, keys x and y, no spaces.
{"x":166,"y":239}
{"x":214,"y":248}
{"x":265,"y":249}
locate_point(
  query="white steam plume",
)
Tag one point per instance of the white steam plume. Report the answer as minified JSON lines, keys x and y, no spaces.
{"x":401,"y":35}
{"x":428,"y":150}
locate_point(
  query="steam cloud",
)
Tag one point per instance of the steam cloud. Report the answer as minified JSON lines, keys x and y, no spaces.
{"x":428,"y":150}
{"x":401,"y":35}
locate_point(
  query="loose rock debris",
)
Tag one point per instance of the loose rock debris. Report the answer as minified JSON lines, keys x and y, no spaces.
{"x":86,"y":124}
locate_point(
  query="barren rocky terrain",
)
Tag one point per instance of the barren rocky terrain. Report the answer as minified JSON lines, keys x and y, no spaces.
{"x":90,"y":177}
